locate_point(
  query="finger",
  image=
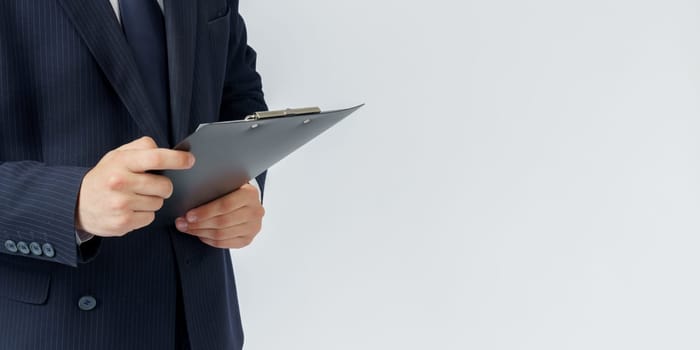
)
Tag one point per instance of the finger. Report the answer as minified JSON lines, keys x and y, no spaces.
{"x":145,"y":142}
{"x":131,"y":221}
{"x":237,"y":217}
{"x":246,"y":195}
{"x":141,"y":219}
{"x":234,"y":243}
{"x":152,"y":185}
{"x":140,"y":161}
{"x":223,"y":234}
{"x":141,"y":184}
{"x":147,"y":204}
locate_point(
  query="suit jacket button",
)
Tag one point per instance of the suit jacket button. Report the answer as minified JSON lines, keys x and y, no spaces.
{"x":35,"y":248}
{"x":23,"y":247}
{"x":87,"y":303}
{"x":11,"y":246}
{"x":48,"y":250}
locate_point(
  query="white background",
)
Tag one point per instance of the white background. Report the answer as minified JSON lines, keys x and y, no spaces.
{"x":525,"y":175}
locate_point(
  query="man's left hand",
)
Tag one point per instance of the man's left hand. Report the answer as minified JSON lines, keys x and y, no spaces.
{"x":231,"y":221}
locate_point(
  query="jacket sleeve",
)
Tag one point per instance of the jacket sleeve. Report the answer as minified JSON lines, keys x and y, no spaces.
{"x":38,"y":204}
{"x":243,"y":94}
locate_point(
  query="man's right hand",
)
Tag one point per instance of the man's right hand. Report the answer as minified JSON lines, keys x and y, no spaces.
{"x":118,"y":195}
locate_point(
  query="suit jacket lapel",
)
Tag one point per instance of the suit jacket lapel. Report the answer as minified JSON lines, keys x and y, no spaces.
{"x":181,"y":32}
{"x":101,"y":31}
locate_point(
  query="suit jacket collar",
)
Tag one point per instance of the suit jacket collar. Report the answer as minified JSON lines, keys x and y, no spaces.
{"x":100,"y":30}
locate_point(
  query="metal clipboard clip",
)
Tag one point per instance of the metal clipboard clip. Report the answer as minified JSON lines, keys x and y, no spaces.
{"x":283,"y":113}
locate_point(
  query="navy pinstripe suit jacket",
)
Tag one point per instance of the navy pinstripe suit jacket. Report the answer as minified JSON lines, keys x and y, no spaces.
{"x":69,"y":93}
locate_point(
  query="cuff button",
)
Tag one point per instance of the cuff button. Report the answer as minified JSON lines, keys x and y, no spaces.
{"x":10,"y":246}
{"x":23,"y":247}
{"x":36,"y":248}
{"x":48,"y":250}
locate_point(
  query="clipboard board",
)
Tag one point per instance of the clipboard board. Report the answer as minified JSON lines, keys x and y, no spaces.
{"x":231,"y":153}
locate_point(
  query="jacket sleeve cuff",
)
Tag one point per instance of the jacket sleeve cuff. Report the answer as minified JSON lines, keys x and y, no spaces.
{"x":39,"y":203}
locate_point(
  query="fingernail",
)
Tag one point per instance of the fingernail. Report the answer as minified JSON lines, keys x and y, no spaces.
{"x":191,"y":218}
{"x":181,"y":224}
{"x":192,"y":160}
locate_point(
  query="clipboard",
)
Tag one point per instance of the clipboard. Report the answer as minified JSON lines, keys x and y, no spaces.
{"x":231,"y":153}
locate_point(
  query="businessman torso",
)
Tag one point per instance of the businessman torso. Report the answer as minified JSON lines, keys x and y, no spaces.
{"x":69,"y":93}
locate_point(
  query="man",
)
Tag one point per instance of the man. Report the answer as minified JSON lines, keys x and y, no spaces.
{"x":93,"y":93}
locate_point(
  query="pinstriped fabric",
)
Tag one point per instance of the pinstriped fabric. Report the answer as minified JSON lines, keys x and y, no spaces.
{"x":37,"y":209}
{"x":26,"y":289}
{"x":68,"y":94}
{"x":115,"y":60}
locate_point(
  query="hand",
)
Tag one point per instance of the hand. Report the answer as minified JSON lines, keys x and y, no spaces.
{"x":118,"y":195}
{"x":231,"y":221}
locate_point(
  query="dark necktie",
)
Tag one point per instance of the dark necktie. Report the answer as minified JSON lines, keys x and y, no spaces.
{"x":144,"y":27}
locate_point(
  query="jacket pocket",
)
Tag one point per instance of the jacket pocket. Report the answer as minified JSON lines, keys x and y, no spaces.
{"x":219,"y":28}
{"x":31,"y":287}
{"x":220,"y":14}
